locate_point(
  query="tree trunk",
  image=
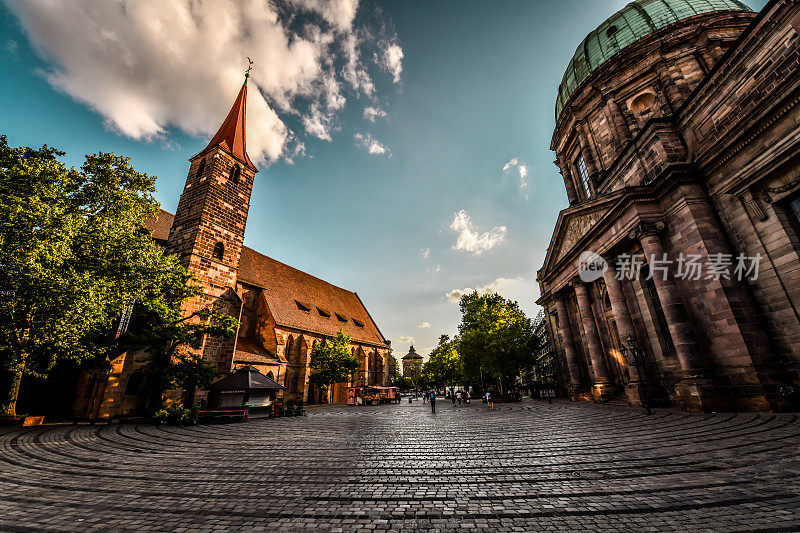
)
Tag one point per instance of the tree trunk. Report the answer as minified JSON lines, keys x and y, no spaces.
{"x":13,"y":393}
{"x":188,"y":396}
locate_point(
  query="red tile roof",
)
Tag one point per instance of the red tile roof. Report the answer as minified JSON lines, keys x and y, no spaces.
{"x":231,"y":135}
{"x":249,"y":351}
{"x":285,"y":287}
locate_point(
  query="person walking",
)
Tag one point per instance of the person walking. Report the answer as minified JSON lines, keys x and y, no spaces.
{"x":459,"y":397}
{"x":433,"y":402}
{"x":466,"y":397}
{"x":490,"y":401}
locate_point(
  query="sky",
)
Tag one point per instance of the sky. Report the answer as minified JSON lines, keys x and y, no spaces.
{"x":402,"y":147}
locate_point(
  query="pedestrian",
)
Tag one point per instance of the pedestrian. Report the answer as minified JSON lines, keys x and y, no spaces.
{"x":490,"y":401}
{"x":458,"y":397}
{"x":424,"y":396}
{"x":433,"y":403}
{"x":466,"y":395}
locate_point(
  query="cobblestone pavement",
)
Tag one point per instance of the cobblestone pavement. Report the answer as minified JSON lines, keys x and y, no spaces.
{"x":524,"y":467}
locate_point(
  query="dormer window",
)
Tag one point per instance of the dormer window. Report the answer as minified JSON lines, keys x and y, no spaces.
{"x":583,"y":173}
{"x":236,"y":172}
{"x":357,"y":323}
{"x":340,"y":318}
{"x":323,"y":313}
{"x":219,"y":251}
{"x":303,"y":307}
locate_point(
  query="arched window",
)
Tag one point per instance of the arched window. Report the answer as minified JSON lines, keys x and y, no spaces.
{"x":219,"y":251}
{"x":270,"y":375}
{"x":200,"y":168}
{"x":236,"y":171}
{"x":135,"y":383}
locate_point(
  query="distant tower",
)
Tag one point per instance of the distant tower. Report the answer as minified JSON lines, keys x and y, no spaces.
{"x":208,"y":231}
{"x":412,"y":364}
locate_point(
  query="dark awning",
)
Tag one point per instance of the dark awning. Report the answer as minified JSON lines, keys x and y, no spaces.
{"x":247,"y":378}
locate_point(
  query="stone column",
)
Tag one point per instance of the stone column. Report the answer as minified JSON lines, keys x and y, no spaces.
{"x":622,"y":316}
{"x":686,"y":346}
{"x":569,"y":184}
{"x":586,"y":149}
{"x":571,"y":354}
{"x":670,"y":88}
{"x":601,"y":381}
{"x":618,"y":121}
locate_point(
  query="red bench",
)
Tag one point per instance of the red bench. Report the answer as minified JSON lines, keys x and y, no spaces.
{"x":227,"y":413}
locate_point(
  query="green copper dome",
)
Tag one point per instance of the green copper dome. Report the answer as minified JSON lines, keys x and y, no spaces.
{"x":631,"y":23}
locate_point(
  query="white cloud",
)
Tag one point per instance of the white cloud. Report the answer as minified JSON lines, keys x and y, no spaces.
{"x":371,"y":113}
{"x":391,"y":59}
{"x":405,"y":340}
{"x":424,"y":325}
{"x":521,"y":169}
{"x":371,"y":145}
{"x":354,"y":72}
{"x":517,"y":289}
{"x":148,"y":66}
{"x":470,"y":239}
{"x":338,"y":13}
{"x":425,"y":252}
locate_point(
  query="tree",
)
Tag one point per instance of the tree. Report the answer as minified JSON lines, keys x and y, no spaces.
{"x":332,"y":362}
{"x":496,"y":338}
{"x":445,"y":364}
{"x":73,"y":255}
{"x":173,"y":338}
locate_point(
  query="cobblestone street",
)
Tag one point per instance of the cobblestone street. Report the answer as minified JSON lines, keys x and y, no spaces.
{"x":523,"y":467}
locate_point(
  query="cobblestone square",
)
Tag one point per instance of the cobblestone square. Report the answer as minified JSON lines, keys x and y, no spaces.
{"x":524,"y":467}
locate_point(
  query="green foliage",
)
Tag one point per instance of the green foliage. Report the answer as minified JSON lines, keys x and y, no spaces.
{"x":495,"y":337}
{"x":404,"y":383}
{"x":445,"y":365}
{"x":73,"y":256}
{"x":332,"y":362}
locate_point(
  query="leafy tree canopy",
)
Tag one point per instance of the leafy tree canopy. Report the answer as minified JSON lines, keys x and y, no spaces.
{"x":73,"y":255}
{"x":332,"y":362}
{"x":445,"y":364}
{"x":495,"y":337}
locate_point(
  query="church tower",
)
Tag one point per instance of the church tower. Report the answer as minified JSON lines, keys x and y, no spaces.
{"x":208,"y":231}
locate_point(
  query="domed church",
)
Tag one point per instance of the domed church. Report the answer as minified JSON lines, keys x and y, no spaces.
{"x":677,"y":138}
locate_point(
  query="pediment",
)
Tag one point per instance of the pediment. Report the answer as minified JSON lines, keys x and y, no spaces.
{"x":573,"y":224}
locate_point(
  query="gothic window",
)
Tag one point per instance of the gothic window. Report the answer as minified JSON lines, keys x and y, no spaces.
{"x":270,"y":375}
{"x":659,"y":319}
{"x":583,"y":173}
{"x":125,"y":320}
{"x":219,"y":251}
{"x":236,"y":171}
{"x":288,"y":351}
{"x":201,"y":167}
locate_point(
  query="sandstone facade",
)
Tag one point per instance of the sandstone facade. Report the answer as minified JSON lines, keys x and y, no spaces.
{"x":682,"y":144}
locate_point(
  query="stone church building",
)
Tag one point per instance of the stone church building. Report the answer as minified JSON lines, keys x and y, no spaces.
{"x":282,"y":311}
{"x":677,"y":135}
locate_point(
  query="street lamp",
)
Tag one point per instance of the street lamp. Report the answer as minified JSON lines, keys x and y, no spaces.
{"x":634,"y":355}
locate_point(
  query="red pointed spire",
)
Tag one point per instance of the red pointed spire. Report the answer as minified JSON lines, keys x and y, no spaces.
{"x":231,"y":135}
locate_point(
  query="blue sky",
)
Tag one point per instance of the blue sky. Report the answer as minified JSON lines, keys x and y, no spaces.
{"x":404,"y":209}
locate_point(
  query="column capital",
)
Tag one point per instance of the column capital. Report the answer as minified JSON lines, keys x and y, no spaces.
{"x":646,"y":228}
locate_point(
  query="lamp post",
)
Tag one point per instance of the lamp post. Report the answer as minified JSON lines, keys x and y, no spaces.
{"x":634,"y":355}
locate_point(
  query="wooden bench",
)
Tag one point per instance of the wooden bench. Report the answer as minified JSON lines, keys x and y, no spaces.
{"x":227,"y":413}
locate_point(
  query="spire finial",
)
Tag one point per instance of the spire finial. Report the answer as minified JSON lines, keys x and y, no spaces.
{"x":249,"y":68}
